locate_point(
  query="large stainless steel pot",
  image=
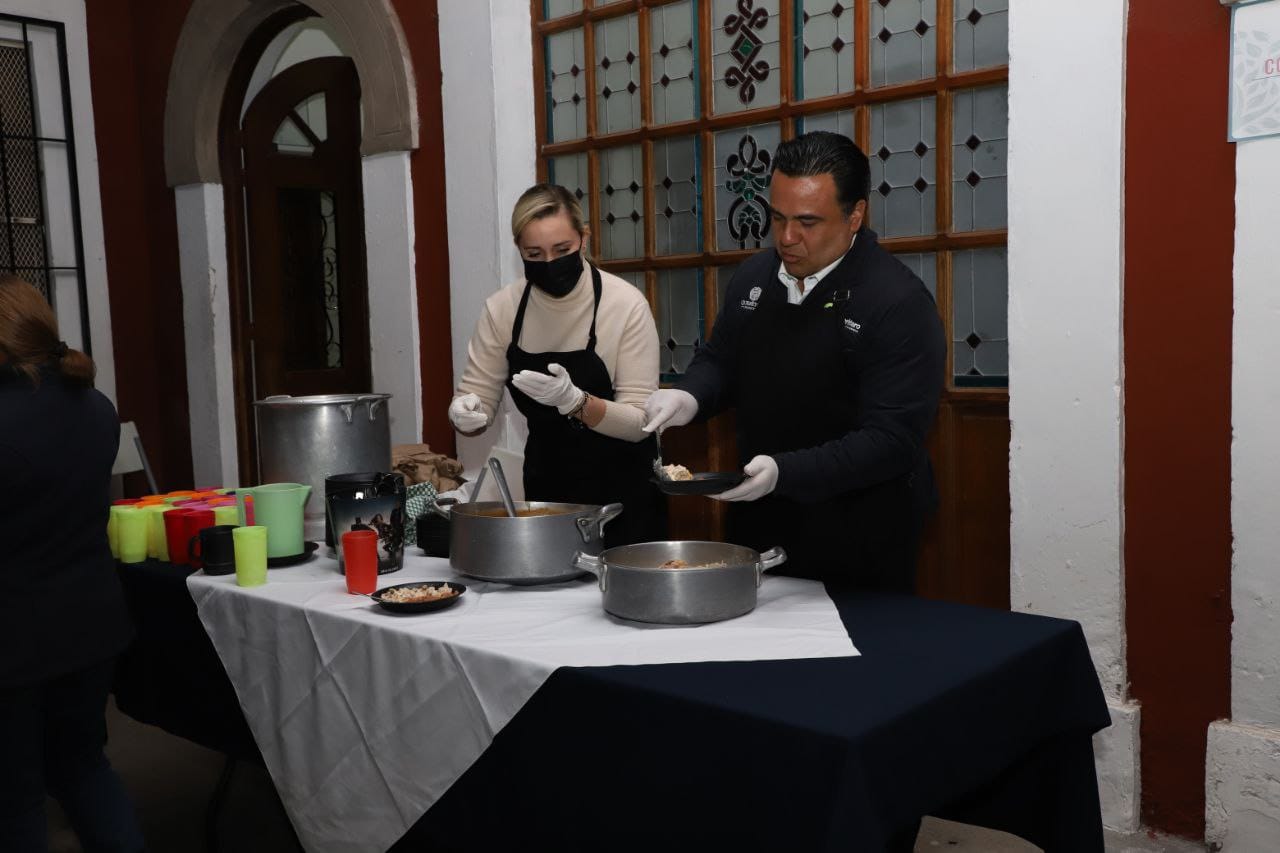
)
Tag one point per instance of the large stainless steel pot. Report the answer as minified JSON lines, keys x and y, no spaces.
{"x":635,"y":587}
{"x":305,"y":439}
{"x":486,"y":544}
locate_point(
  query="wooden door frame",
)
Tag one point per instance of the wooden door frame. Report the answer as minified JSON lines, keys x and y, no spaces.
{"x":229,"y":147}
{"x":338,"y":160}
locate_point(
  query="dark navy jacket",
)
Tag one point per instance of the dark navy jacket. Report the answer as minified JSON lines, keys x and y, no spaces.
{"x":61,"y":607}
{"x":841,"y":390}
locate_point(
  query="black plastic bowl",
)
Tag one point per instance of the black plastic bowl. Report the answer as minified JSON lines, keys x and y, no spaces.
{"x":711,"y":483}
{"x":419,"y":606}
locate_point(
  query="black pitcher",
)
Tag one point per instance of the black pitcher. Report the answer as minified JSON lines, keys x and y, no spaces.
{"x":368,"y":501}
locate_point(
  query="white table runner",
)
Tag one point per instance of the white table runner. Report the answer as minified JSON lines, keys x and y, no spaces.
{"x":365,"y":718}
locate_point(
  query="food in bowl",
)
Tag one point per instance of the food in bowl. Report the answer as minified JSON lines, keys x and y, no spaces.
{"x":676,"y":473}
{"x":682,"y":564}
{"x":418,"y":594}
{"x":522,"y":513}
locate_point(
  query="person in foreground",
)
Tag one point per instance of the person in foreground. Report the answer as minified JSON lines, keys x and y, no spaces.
{"x":62,"y":613}
{"x":578,"y":350}
{"x":833,"y":355}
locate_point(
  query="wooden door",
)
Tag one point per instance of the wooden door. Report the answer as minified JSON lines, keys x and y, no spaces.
{"x":307,"y":329}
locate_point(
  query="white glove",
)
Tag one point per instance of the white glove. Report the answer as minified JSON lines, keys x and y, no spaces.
{"x":762,"y":476}
{"x":553,"y":388}
{"x":467,"y":415}
{"x":668,"y":407}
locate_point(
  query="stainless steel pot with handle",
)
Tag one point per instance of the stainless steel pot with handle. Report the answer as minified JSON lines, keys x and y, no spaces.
{"x":537,"y":546}
{"x":305,"y":439}
{"x":719,"y":581}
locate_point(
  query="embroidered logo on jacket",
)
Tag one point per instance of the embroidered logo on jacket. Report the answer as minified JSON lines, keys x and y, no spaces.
{"x":752,"y":300}
{"x":852,"y":326}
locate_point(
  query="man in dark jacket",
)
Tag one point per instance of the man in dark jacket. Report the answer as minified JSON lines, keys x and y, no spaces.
{"x":832,"y":354}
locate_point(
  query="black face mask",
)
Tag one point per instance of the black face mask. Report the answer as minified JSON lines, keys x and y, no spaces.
{"x":555,"y":278}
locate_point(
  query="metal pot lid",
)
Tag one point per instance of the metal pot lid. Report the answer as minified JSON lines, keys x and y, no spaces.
{"x":321,"y":399}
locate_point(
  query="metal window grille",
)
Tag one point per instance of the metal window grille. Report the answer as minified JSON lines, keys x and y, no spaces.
{"x":25,"y":202}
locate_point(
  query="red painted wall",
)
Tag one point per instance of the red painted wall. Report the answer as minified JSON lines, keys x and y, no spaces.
{"x":421,"y":24}
{"x":1179,"y":236}
{"x":131,"y":45}
{"x":130,"y":49}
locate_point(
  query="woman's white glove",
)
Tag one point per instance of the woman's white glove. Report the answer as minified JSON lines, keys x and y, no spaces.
{"x":762,"y":477}
{"x":668,"y":407}
{"x":553,"y":388}
{"x":467,"y":414}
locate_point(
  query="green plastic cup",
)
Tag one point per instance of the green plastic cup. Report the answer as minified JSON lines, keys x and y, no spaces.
{"x":226,"y":515}
{"x":157,"y":545}
{"x":131,"y":534}
{"x":250,"y":544}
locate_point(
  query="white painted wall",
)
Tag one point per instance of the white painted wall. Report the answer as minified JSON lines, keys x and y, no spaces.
{"x":71,"y":14}
{"x":1066,"y":122}
{"x":206,"y":320}
{"x":1243,"y":761}
{"x":393,"y":294}
{"x":490,"y":158}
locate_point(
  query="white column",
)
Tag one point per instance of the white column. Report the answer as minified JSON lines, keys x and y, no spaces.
{"x":206,"y":320}
{"x":1066,"y":156}
{"x":393,"y":292}
{"x":1242,"y":773}
{"x":489,"y":141}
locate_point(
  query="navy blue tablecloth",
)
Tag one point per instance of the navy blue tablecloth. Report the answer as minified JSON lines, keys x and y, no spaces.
{"x":976,"y":715}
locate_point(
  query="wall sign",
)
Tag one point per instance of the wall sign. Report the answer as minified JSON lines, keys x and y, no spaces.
{"x":1255,"y":70}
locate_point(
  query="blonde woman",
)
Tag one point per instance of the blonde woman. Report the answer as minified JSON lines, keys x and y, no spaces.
{"x":578,"y":350}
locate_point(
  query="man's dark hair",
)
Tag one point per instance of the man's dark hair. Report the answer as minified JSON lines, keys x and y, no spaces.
{"x":824,"y":153}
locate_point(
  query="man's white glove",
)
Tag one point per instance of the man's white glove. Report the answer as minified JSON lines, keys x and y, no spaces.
{"x":762,"y":476}
{"x":553,"y":388}
{"x":467,"y":414}
{"x":668,"y":407}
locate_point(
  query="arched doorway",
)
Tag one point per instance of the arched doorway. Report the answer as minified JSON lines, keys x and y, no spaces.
{"x":290,"y":155}
{"x":211,"y":80}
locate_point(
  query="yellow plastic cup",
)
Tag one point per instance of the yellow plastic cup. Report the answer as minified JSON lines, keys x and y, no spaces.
{"x":227,"y":515}
{"x":157,"y":545}
{"x":250,"y":544}
{"x":113,"y":529}
{"x":131,"y":532}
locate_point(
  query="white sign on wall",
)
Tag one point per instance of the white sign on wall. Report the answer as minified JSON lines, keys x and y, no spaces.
{"x":1255,"y":70}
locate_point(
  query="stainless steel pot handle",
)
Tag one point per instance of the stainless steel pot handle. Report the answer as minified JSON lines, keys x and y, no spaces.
{"x":593,"y":564}
{"x":349,"y":409}
{"x":591,"y":527}
{"x":435,"y":507}
{"x":770,"y":559}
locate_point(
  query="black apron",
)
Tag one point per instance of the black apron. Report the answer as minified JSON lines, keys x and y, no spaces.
{"x":802,"y":360}
{"x":566,"y":462}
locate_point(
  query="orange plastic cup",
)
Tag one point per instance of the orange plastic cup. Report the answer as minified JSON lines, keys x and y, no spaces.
{"x":360,"y":554}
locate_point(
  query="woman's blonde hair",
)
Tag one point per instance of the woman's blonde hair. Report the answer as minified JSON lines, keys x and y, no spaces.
{"x":29,"y":335}
{"x":542,"y":200}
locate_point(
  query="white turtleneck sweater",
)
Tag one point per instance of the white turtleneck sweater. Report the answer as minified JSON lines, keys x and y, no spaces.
{"x":626,"y":341}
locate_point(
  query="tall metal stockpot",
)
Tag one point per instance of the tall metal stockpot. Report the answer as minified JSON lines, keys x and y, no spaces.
{"x":537,"y":546}
{"x":305,"y":439}
{"x":714,"y":580}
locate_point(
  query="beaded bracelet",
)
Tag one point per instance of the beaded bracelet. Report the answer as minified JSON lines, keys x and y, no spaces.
{"x":576,"y":413}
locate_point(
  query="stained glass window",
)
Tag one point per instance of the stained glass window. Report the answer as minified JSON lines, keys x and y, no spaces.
{"x":674,"y":161}
{"x":618,"y":74}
